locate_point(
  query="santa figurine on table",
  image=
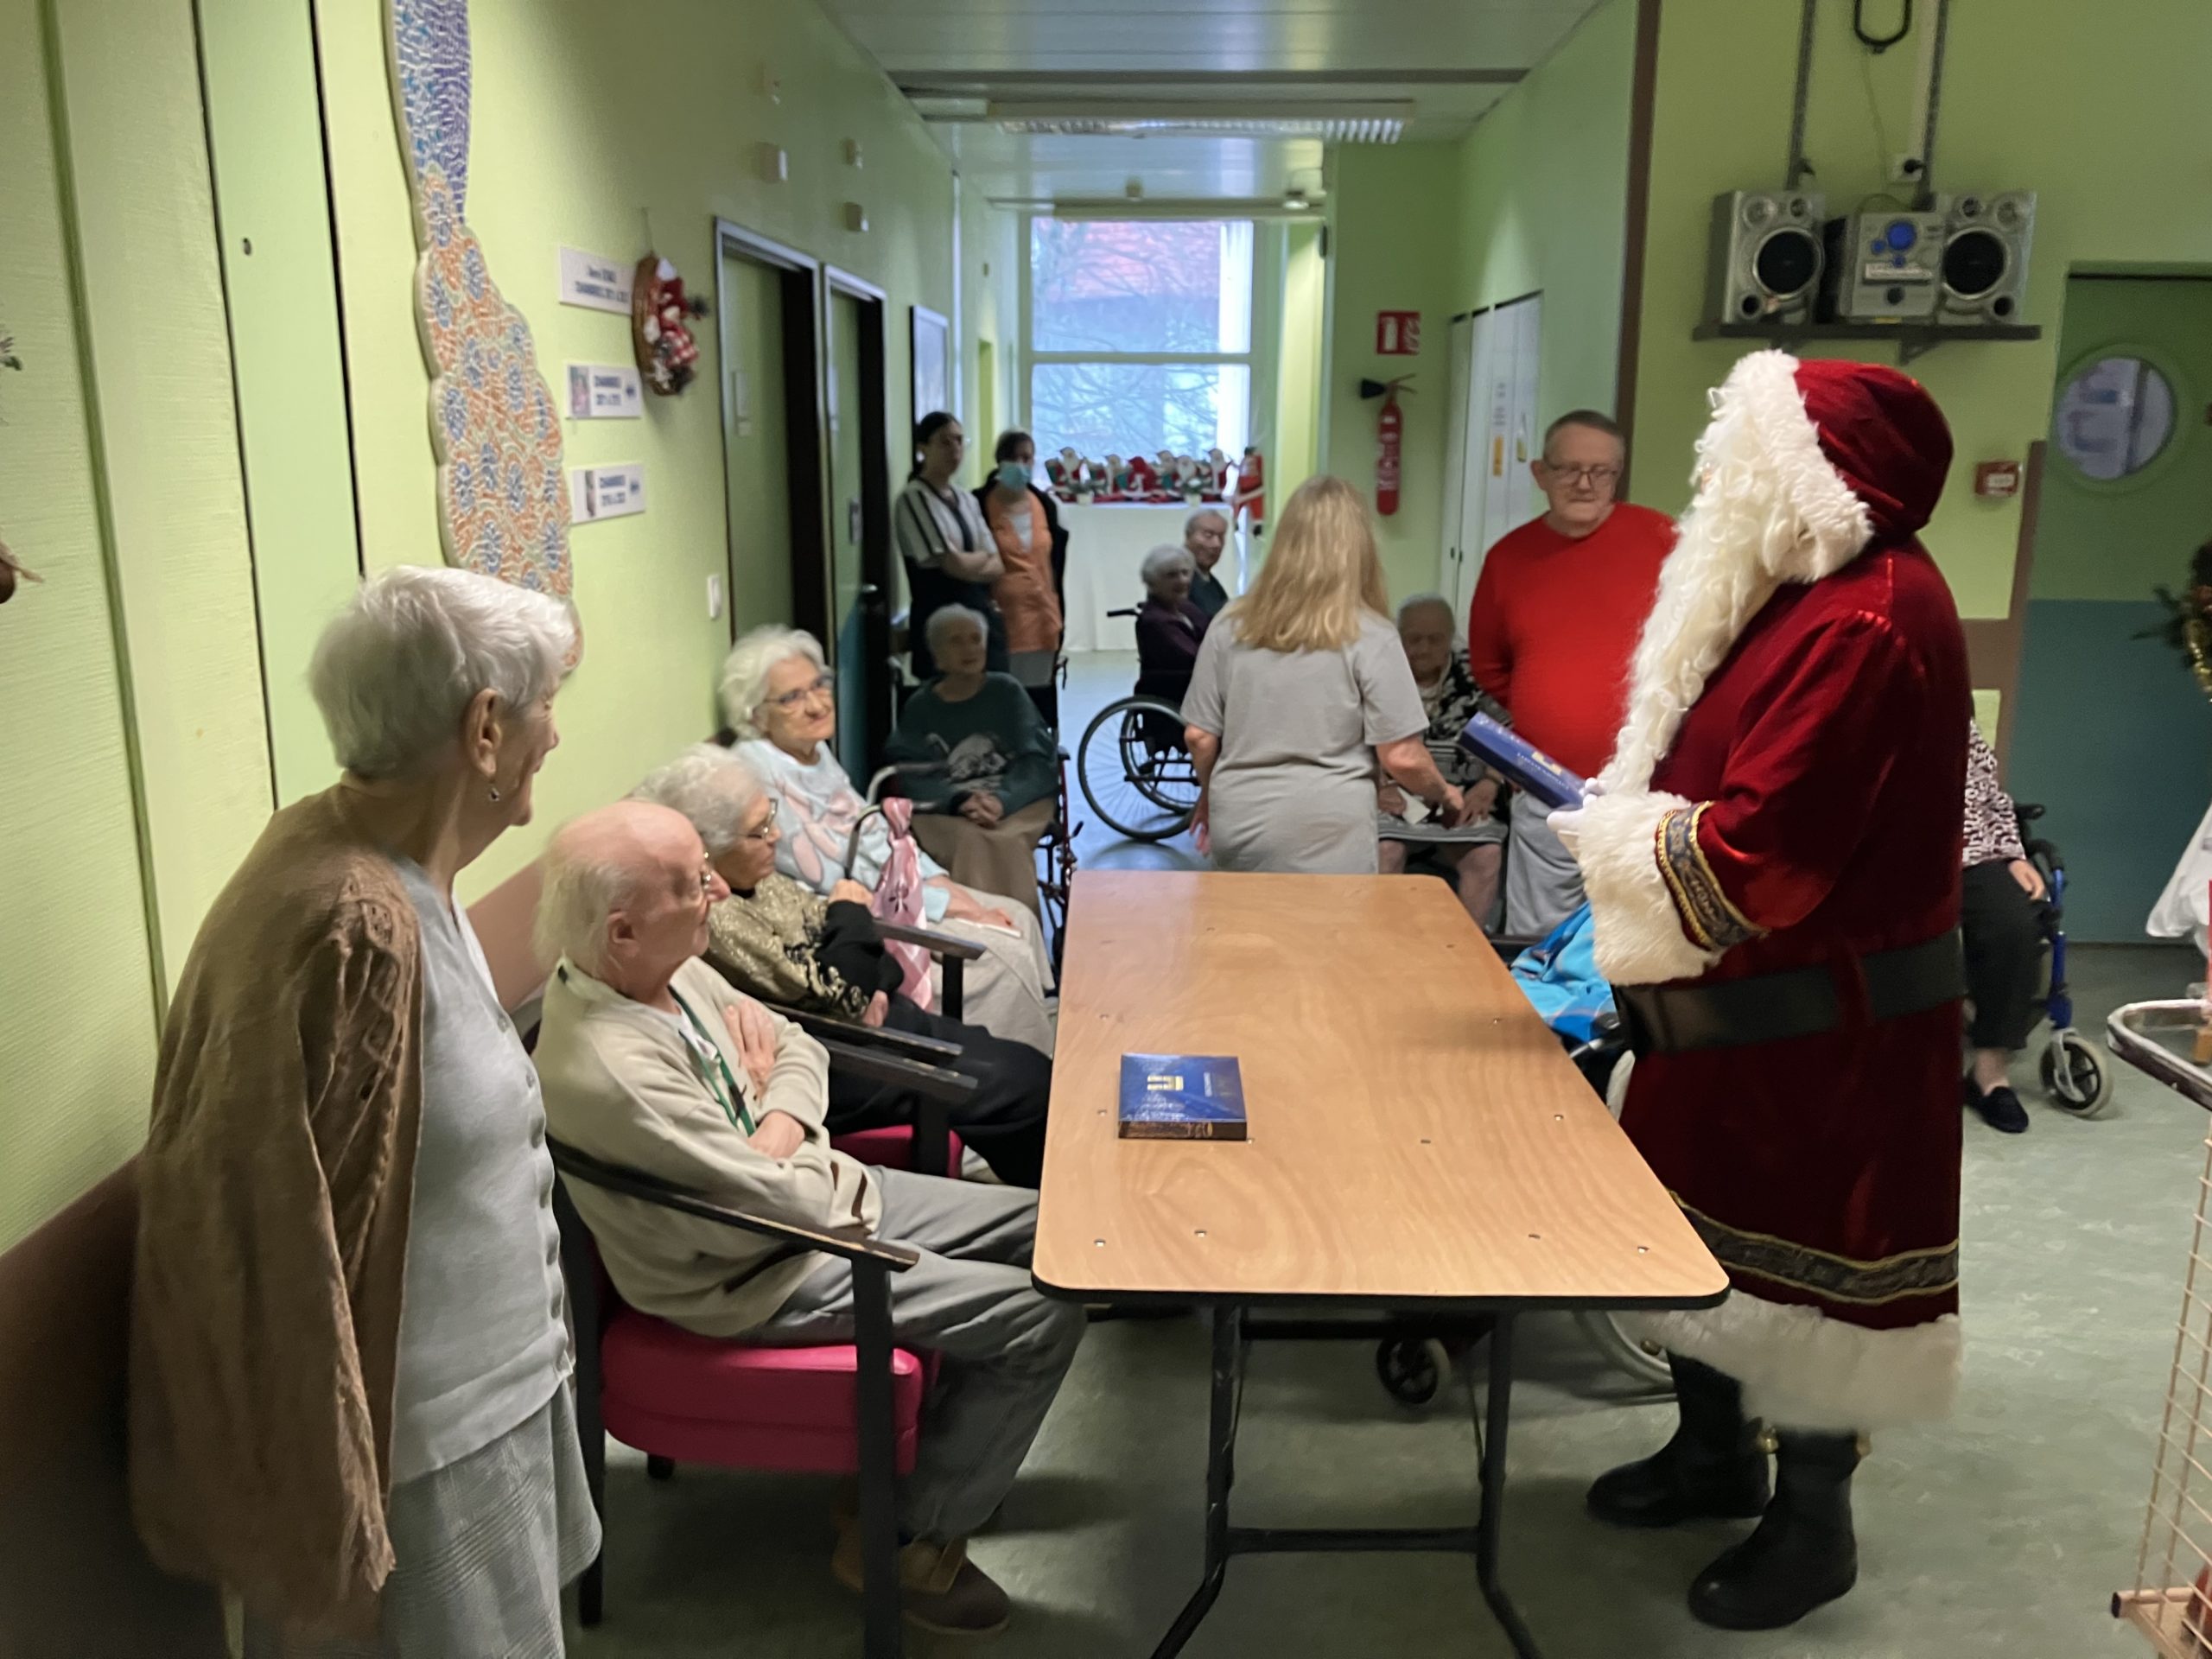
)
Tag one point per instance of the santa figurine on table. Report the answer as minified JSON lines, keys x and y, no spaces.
{"x":1772,"y":860}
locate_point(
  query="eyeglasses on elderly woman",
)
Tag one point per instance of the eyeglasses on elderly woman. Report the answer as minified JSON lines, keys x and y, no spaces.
{"x":821,"y":686}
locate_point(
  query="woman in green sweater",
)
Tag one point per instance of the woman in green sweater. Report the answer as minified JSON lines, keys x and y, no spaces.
{"x":986,"y":765}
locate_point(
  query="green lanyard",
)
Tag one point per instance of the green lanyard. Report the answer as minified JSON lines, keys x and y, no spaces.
{"x":718,"y":1077}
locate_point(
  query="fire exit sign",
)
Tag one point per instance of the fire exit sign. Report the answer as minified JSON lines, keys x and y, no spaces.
{"x":1397,"y":334}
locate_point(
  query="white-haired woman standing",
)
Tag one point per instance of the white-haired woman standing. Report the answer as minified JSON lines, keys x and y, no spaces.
{"x":349,"y":1356}
{"x":988,"y":799}
{"x":779,"y":699}
{"x":1301,"y":688}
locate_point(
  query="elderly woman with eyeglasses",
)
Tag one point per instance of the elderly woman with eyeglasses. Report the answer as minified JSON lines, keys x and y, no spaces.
{"x":775,"y":939}
{"x":349,"y":1348}
{"x":780,"y":700}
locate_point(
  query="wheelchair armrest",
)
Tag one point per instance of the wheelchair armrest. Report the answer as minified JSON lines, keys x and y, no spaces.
{"x":2027,"y":811}
{"x":850,"y":1244}
{"x":1509,"y":946}
{"x":937,"y":944}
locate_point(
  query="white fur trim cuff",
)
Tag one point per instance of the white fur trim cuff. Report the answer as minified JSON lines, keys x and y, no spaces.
{"x":1801,"y":1369}
{"x":1641,"y":938}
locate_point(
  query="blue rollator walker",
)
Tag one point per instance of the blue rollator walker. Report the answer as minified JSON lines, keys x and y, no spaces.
{"x":2076,"y":1073}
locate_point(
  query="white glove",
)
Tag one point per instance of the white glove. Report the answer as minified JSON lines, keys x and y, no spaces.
{"x":1567,"y":822}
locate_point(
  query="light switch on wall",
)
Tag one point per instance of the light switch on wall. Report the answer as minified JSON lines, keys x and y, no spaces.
{"x":714,"y":597}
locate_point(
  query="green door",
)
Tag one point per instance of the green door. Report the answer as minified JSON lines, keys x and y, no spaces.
{"x":2111,"y":733}
{"x":848,"y":575}
{"x":755,"y":444}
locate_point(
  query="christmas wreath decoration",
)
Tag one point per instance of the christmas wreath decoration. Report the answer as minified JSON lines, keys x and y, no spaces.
{"x":661,"y":315}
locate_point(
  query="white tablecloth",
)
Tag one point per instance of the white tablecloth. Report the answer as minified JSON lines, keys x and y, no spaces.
{"x":1106,"y":548}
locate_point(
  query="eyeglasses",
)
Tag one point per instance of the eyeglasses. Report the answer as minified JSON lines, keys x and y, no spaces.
{"x":820,"y":687}
{"x":1601,"y":477}
{"x":767,"y":832}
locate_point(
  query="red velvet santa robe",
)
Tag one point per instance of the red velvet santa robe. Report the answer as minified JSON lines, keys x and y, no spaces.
{"x":1800,"y":701}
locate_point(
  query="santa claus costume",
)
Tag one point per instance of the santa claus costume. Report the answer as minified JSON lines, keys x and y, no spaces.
{"x":1773,"y":871}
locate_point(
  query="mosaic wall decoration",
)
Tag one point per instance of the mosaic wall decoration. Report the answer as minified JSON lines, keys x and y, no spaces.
{"x":503,"y":503}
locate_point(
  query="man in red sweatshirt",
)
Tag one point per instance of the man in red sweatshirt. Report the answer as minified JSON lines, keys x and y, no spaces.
{"x":1555,"y":621}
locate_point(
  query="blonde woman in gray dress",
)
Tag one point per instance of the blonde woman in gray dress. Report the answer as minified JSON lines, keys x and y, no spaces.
{"x":1301,"y":695}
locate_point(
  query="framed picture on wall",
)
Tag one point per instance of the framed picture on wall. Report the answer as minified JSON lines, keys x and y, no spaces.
{"x":933,"y":360}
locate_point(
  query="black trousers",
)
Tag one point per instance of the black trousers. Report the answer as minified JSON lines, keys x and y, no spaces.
{"x":2004,"y":941}
{"x":1004,"y":1120}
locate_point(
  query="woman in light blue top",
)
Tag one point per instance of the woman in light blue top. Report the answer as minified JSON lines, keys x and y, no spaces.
{"x":780,"y":700}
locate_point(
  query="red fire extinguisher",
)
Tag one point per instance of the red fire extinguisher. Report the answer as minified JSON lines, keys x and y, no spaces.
{"x":1389,"y":439}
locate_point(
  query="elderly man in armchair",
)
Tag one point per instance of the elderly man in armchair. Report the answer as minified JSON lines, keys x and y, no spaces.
{"x":650,"y":1060}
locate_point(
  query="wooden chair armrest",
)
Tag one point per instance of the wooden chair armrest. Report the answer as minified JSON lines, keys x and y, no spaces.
{"x":931,"y":1082}
{"x":937,"y":944}
{"x":849,"y":1243}
{"x":929,"y":1051}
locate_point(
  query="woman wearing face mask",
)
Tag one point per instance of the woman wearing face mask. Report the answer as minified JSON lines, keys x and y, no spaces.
{"x":1025,"y":528}
{"x":951,"y":557}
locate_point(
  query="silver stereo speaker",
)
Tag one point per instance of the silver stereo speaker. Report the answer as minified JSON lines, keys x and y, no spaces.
{"x":1883,"y":265}
{"x":1986,"y":257}
{"x":1765,"y":264}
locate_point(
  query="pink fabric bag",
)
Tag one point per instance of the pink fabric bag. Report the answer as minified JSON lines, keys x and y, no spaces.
{"x":899,"y":901}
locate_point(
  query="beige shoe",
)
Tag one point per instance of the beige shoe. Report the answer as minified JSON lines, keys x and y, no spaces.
{"x":940,"y":1589}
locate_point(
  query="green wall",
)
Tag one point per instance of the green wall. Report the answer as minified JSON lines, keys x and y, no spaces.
{"x":582,"y":138}
{"x":1391,"y":241}
{"x":1298,"y":365}
{"x":2098,"y":108}
{"x":1542,"y":206}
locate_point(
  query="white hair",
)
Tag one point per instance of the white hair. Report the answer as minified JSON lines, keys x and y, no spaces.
{"x":581,"y":890}
{"x":1192,"y":522}
{"x":1157,"y":562}
{"x":712,"y":787}
{"x":945,"y":616}
{"x":1427,"y":601}
{"x":395,"y":669}
{"x":751,"y":660}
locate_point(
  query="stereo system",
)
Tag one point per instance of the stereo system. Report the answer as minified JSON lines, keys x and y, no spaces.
{"x":1766,"y":255}
{"x":1962,"y":262}
{"x":1986,"y":257}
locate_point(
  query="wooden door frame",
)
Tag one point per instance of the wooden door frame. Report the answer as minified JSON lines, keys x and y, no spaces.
{"x":805,"y":420}
{"x":872,"y":398}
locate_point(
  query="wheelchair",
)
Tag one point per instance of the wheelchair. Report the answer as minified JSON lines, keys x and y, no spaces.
{"x":2076,"y":1074}
{"x":1134,"y":769}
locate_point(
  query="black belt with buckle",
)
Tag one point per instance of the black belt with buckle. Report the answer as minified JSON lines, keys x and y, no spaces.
{"x":1796,"y":1002}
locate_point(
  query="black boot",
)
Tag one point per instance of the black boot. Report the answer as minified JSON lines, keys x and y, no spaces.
{"x":1714,"y":1467}
{"x":1803,"y":1552}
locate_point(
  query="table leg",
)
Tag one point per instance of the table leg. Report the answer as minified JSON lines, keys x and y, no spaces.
{"x":1221,"y":1451}
{"x":1490,"y":1528}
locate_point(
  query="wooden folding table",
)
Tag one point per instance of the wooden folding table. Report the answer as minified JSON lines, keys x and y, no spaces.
{"x":1419,"y":1145}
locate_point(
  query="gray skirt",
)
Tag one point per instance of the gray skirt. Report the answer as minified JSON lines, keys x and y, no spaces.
{"x":483,"y":1548}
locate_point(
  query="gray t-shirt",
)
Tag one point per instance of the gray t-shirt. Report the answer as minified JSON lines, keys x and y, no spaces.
{"x":483,"y":1322}
{"x":1294,"y":790}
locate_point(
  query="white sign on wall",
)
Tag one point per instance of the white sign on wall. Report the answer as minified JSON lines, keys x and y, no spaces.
{"x":606,"y":492}
{"x":604,"y":391}
{"x":594,"y":280}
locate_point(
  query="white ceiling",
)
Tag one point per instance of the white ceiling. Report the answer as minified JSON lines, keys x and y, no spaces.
{"x":1449,"y":58}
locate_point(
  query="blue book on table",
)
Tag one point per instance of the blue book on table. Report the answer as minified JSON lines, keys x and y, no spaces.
{"x":1522,"y":764}
{"x":1182,"y":1097}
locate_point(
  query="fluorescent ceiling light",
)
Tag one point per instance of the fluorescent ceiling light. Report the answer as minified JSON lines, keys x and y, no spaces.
{"x":1340,"y":123}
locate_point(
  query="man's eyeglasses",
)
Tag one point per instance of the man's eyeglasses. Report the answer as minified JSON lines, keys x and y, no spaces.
{"x":820,"y":687}
{"x":1599,"y":477}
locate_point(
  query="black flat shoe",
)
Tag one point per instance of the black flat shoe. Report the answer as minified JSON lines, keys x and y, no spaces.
{"x":2000,"y":1108}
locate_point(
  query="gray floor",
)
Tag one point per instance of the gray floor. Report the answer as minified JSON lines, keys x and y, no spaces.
{"x":2001,"y":1532}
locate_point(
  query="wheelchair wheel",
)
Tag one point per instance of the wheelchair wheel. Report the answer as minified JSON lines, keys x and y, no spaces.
{"x":1413,"y":1370}
{"x":2076,"y":1074}
{"x":1134,"y":771}
{"x":1642,"y":1361}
